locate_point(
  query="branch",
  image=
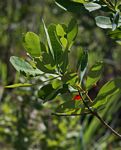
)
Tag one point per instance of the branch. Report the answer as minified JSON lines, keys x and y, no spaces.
{"x":101,"y":120}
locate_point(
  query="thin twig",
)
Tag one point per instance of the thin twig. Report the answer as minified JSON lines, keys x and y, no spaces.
{"x":101,"y":120}
{"x":56,"y":114}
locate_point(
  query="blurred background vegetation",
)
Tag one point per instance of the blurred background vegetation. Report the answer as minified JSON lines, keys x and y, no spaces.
{"x":25,"y":124}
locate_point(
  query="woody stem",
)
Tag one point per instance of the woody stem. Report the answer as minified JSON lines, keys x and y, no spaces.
{"x":100,"y":118}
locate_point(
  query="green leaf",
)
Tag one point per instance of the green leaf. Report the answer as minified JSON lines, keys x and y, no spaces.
{"x":56,"y":45}
{"x":48,"y":40}
{"x":44,"y":67}
{"x":72,"y":30}
{"x":116,"y":34}
{"x":69,"y":5}
{"x":69,"y":106}
{"x":82,"y":63}
{"x":94,"y":74}
{"x":72,"y":107}
{"x":92,"y":6}
{"x":18,"y":85}
{"x":32,"y":44}
{"x":84,"y":60}
{"x":70,"y":78}
{"x":64,"y":60}
{"x":103,"y":22}
{"x":46,"y":63}
{"x":47,"y":92}
{"x":63,"y":41}
{"x":22,"y":66}
{"x":107,"y":91}
{"x":60,"y":31}
{"x":80,"y":1}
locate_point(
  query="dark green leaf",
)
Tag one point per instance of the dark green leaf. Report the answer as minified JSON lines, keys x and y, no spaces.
{"x":46,"y":63}
{"x":116,"y":34}
{"x":56,"y":45}
{"x":82,"y":63}
{"x":71,"y":6}
{"x":69,"y":106}
{"x":47,"y":92}
{"x":94,"y":74}
{"x":70,"y":78}
{"x":46,"y":69}
{"x":64,"y":60}
{"x":72,"y":30}
{"x":72,"y":107}
{"x":48,"y":40}
{"x":84,"y":60}
{"x":110,"y":89}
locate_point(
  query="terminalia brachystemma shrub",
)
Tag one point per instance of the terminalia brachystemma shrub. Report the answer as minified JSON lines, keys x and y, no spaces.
{"x":48,"y":57}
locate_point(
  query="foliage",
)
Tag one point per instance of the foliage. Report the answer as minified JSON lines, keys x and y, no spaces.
{"x":48,"y":71}
{"x":56,"y":50}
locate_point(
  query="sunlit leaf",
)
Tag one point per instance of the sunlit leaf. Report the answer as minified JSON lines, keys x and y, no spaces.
{"x":32,"y":44}
{"x":60,"y":31}
{"x":63,"y":41}
{"x":18,"y":85}
{"x":80,"y":1}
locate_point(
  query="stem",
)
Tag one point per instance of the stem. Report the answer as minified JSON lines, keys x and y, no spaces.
{"x":106,"y":125}
{"x":56,"y":114}
{"x":85,"y":92}
{"x":109,"y":5}
{"x":98,"y":116}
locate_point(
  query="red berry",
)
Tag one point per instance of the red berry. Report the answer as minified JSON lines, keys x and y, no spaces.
{"x":77,"y":97}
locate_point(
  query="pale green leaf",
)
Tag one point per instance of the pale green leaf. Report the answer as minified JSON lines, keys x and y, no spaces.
{"x":92,"y":6}
{"x":32,"y":44}
{"x":60,"y":31}
{"x":18,"y":85}
{"x":103,"y":22}
{"x":22,"y":66}
{"x":63,"y":41}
